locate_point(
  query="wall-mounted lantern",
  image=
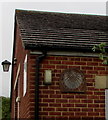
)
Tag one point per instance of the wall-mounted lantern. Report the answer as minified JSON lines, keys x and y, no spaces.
{"x":15,"y":61}
{"x":47,"y":77}
{"x":6,"y":64}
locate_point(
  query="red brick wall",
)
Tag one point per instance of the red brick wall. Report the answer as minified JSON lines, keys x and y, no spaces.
{"x":19,"y":53}
{"x":56,"y":105}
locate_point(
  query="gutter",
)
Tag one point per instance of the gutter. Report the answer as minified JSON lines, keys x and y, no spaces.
{"x":38,"y":61}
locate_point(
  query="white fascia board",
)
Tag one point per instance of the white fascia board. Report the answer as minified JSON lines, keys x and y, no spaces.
{"x":65,"y":53}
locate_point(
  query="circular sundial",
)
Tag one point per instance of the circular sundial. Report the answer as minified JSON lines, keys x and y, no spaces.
{"x":72,"y":80}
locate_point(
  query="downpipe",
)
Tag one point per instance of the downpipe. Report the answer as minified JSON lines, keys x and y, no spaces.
{"x":38,"y":61}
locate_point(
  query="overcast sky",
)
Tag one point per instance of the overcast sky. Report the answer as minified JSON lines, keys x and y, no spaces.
{"x":7,"y":12}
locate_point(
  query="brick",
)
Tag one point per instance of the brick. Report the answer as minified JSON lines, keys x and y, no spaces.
{"x":56,"y":79}
{"x":48,"y":92}
{"x":48,"y":118}
{"x":99,"y":93}
{"x":68,"y":113}
{"x":43,"y":104}
{"x":80,"y":114}
{"x":102,"y":97}
{"x":43,"y":113}
{"x":61,"y":67}
{"x":93,"y":105}
{"x":54,"y":104}
{"x":49,"y":66}
{"x":80,"y":63}
{"x":77,"y":67}
{"x":56,"y":71}
{"x":87,"y":109}
{"x":57,"y":91}
{"x":61,"y":118}
{"x":93,"y":114}
{"x":74,"y":101}
{"x":99,"y":110}
{"x":99,"y":68}
{"x":54,"y":87}
{"x":97,"y":60}
{"x":90,"y":80}
{"x":43,"y":96}
{"x":43,"y":87}
{"x":103,"y":72}
{"x":74,"y":118}
{"x":102,"y":105}
{"x":81,"y":96}
{"x":99,"y":118}
{"x":68,"y":62}
{"x":58,"y":75}
{"x":48,"y":109}
{"x":88,"y":118}
{"x":54,"y":113}
{"x":55,"y":96}
{"x":90,"y":88}
{"x":68,"y":96}
{"x":102,"y":114}
{"x":68,"y":105}
{"x":87,"y":68}
{"x":61,"y":100}
{"x":54,"y":62}
{"x":90,"y":84}
{"x":87,"y":101}
{"x":93,"y":97}
{"x":90,"y":92}
{"x":99,"y":101}
{"x":61,"y":109}
{"x":92,"y":72}
{"x":92,"y":63}
{"x":88,"y":76}
{"x":48,"y":100}
{"x":80,"y":105}
{"x":74,"y":109}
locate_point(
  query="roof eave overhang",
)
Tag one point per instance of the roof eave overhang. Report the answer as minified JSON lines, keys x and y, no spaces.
{"x":60,"y":48}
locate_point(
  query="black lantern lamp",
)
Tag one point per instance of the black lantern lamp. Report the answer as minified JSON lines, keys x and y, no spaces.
{"x":6,"y":64}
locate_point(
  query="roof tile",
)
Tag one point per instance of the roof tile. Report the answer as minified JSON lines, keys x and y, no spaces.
{"x":61,"y":30}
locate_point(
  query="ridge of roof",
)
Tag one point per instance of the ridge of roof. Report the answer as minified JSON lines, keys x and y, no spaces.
{"x":55,"y":12}
{"x":42,"y":19}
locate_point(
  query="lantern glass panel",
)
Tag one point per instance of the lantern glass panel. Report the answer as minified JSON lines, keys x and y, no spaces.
{"x":6,"y":67}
